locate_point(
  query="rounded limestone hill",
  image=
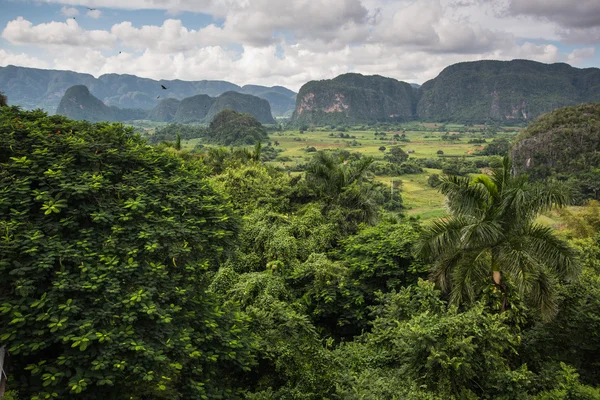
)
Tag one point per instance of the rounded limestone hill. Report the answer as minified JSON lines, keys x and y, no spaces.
{"x":79,"y":104}
{"x":242,"y":103}
{"x":164,"y":111}
{"x":563,"y":144}
{"x":506,"y":91}
{"x":193,"y":109}
{"x":232,"y":128}
{"x":355,"y":98}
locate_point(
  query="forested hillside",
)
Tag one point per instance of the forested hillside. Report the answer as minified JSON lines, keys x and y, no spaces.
{"x":138,"y":271}
{"x":353,"y":98}
{"x":564,"y":144}
{"x":511,"y":92}
{"x":508,"y":91}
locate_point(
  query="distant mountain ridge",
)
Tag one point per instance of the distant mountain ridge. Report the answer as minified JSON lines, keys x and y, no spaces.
{"x":471,"y":92}
{"x":80,"y":104}
{"x":39,"y":88}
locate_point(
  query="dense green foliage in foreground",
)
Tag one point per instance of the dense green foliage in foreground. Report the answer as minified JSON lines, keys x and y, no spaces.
{"x":564,"y":144}
{"x":139,"y":272}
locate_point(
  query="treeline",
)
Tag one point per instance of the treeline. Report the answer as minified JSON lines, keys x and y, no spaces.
{"x":133,"y":272}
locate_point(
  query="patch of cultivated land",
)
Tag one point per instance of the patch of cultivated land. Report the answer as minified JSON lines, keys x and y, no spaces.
{"x":424,"y":141}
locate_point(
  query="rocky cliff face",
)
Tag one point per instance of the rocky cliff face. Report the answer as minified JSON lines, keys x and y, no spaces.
{"x":564,"y":141}
{"x":355,"y":98}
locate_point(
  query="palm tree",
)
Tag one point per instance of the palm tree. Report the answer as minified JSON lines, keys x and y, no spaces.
{"x":491,"y":236}
{"x":340,"y":182}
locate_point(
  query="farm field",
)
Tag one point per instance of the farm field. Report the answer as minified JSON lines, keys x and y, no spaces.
{"x":423,"y":142}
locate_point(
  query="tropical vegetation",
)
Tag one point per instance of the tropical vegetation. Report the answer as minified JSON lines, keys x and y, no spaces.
{"x":133,"y":270}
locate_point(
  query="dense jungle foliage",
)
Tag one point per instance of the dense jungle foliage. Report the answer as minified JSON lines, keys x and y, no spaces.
{"x":132,"y":271}
{"x":564,"y":144}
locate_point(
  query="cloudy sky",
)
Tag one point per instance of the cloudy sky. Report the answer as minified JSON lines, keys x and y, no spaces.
{"x":289,"y":42}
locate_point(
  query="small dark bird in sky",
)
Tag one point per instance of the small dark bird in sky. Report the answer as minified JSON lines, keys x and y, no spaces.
{"x":73,"y":17}
{"x":163,"y":86}
{"x":91,"y":9}
{"x":157,"y":97}
{"x":119,"y":52}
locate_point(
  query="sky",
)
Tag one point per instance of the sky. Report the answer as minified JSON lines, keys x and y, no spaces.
{"x":290,"y":42}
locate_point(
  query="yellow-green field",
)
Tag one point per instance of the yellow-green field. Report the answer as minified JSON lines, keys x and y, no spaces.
{"x":419,"y":198}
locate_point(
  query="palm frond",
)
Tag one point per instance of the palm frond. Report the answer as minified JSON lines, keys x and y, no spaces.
{"x":441,"y":270}
{"x":550,"y":194}
{"x":441,"y":237}
{"x":469,"y":276}
{"x":517,"y":263}
{"x":480,"y":234}
{"x":542,"y":293}
{"x":462,"y":196}
{"x":551,"y":251}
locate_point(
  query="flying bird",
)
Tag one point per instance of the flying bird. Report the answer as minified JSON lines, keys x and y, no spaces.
{"x":119,"y":52}
{"x":157,"y":97}
{"x":91,"y":9}
{"x":163,"y":86}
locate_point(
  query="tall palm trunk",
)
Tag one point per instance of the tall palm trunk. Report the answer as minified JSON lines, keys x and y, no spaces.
{"x":497,"y":277}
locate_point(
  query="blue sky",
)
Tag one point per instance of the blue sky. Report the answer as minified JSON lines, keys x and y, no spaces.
{"x":273,"y":42}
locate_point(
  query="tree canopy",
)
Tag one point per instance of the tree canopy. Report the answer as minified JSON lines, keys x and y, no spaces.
{"x":491,"y":232}
{"x":106,"y":248}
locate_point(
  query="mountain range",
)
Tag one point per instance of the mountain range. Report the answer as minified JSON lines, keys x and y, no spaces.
{"x":80,"y":104}
{"x":503,"y":92}
{"x":39,"y":88}
{"x":471,"y":92}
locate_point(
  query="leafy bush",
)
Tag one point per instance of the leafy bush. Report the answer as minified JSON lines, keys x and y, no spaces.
{"x":107,"y":246}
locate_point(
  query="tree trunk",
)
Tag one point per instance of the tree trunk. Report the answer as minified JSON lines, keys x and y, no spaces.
{"x":497,"y":277}
{"x":3,"y":377}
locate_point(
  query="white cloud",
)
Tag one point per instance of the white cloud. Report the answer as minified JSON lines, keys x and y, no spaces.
{"x":578,"y":56}
{"x":69,"y":11}
{"x":95,"y":14}
{"x":24,"y":60}
{"x":69,"y":33}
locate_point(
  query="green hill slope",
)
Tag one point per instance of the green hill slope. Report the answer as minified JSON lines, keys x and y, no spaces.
{"x":193,"y":109}
{"x":505,"y":91}
{"x":355,"y":98}
{"x":243,"y":103}
{"x":39,"y":88}
{"x":564,"y":144}
{"x":164,"y":111}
